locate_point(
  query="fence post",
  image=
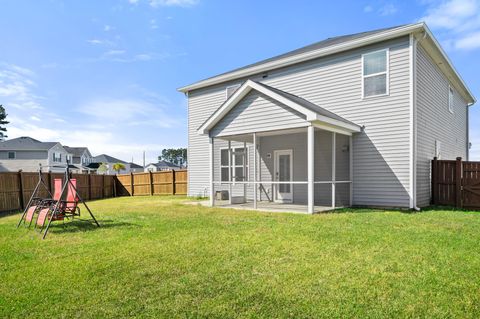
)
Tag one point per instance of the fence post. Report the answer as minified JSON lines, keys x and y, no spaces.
{"x":131,"y":183}
{"x":458,"y":183}
{"x":103,"y":186}
{"x":434,"y":181}
{"x":151,"y":182}
{"x":174,"y":188}
{"x":20,"y":189}
{"x":114,"y":185}
{"x":89,"y":189}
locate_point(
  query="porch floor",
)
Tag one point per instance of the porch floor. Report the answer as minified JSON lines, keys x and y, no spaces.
{"x":267,"y":206}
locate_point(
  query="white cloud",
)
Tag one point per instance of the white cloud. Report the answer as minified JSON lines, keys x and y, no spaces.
{"x":107,"y":28}
{"x":458,"y":21}
{"x":95,"y":41}
{"x":388,"y":9}
{"x":16,"y":87}
{"x":171,"y":3}
{"x":368,"y":9}
{"x":153,"y":24}
{"x":133,"y":1}
{"x":114,"y":52}
{"x":471,"y":41}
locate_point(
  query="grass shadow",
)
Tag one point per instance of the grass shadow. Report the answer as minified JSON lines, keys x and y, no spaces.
{"x":77,"y":225}
{"x":10,"y":213}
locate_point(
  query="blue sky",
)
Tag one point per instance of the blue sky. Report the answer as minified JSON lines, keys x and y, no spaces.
{"x":104,"y":74}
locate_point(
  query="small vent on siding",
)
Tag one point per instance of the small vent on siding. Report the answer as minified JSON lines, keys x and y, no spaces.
{"x":230,"y":90}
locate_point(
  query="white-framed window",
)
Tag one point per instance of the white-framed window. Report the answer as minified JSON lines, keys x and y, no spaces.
{"x":239,"y":154}
{"x":230,"y":90}
{"x":450,"y":99}
{"x":12,"y":155}
{"x":69,"y":158}
{"x":375,"y":73}
{"x":57,"y":157}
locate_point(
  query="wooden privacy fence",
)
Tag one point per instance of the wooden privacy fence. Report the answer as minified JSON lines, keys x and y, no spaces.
{"x":456,"y":183}
{"x":16,"y":188}
{"x":153,"y":183}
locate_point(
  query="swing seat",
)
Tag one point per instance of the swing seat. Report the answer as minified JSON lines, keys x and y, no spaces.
{"x":30,"y":214}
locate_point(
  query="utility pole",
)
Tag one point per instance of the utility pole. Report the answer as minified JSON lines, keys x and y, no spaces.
{"x":143,"y":159}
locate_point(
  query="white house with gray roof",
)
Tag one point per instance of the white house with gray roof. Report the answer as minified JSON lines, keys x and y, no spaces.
{"x":109,"y":161}
{"x":351,"y":120}
{"x":26,"y":153}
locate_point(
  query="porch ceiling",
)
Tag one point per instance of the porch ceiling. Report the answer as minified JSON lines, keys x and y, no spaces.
{"x":316,"y":115}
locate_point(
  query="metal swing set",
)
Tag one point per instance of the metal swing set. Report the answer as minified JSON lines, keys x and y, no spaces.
{"x":63,"y":204}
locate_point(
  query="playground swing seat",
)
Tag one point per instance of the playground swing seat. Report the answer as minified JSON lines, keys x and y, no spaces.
{"x":60,"y":209}
{"x":55,"y":208}
{"x":38,"y":203}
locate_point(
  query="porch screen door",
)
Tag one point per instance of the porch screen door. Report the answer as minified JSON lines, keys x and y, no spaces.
{"x":283,"y":173}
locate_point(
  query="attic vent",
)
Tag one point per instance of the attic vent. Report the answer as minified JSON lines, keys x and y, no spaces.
{"x":230,"y":90}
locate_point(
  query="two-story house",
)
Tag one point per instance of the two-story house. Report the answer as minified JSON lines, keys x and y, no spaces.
{"x":26,"y":153}
{"x":351,"y":120}
{"x":80,"y":157}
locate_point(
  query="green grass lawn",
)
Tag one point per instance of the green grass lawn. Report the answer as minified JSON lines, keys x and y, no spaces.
{"x":155,"y":257}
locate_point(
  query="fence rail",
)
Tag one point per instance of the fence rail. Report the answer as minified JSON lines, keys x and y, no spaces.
{"x":16,"y":188}
{"x":456,"y":183}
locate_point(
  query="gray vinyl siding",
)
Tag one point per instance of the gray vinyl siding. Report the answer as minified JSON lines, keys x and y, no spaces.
{"x":435,"y":122}
{"x":381,"y":152}
{"x":24,"y":155}
{"x":258,"y":112}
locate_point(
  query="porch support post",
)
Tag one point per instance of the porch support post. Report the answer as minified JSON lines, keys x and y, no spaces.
{"x":245,"y":173}
{"x":311,"y":168}
{"x":350,"y":150}
{"x":230,"y":173}
{"x":254,"y":170}
{"x":334,"y":159}
{"x":212,"y":185}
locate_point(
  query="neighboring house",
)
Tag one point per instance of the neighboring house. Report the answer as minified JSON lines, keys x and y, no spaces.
{"x":80,"y":157}
{"x":351,"y":120}
{"x":109,"y":161}
{"x":25,"y":153}
{"x":135,"y":168}
{"x":161,"y":166}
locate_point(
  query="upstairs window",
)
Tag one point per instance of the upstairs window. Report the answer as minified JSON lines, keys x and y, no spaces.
{"x":450,"y":99}
{"x":230,"y":90}
{"x":11,"y":155}
{"x":57,"y":157}
{"x":375,"y":73}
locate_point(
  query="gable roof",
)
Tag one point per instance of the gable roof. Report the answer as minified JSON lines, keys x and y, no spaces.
{"x":75,"y":151}
{"x":335,"y":45}
{"x":135,"y":165}
{"x":104,"y":158}
{"x":312,"y":112}
{"x":162,"y":163}
{"x":26,"y":143}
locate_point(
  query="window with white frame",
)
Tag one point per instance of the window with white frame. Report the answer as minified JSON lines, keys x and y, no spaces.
{"x":11,"y":155}
{"x":57,"y":157}
{"x":375,"y":73}
{"x":450,"y":99}
{"x":230,"y":90}
{"x":239,"y":155}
